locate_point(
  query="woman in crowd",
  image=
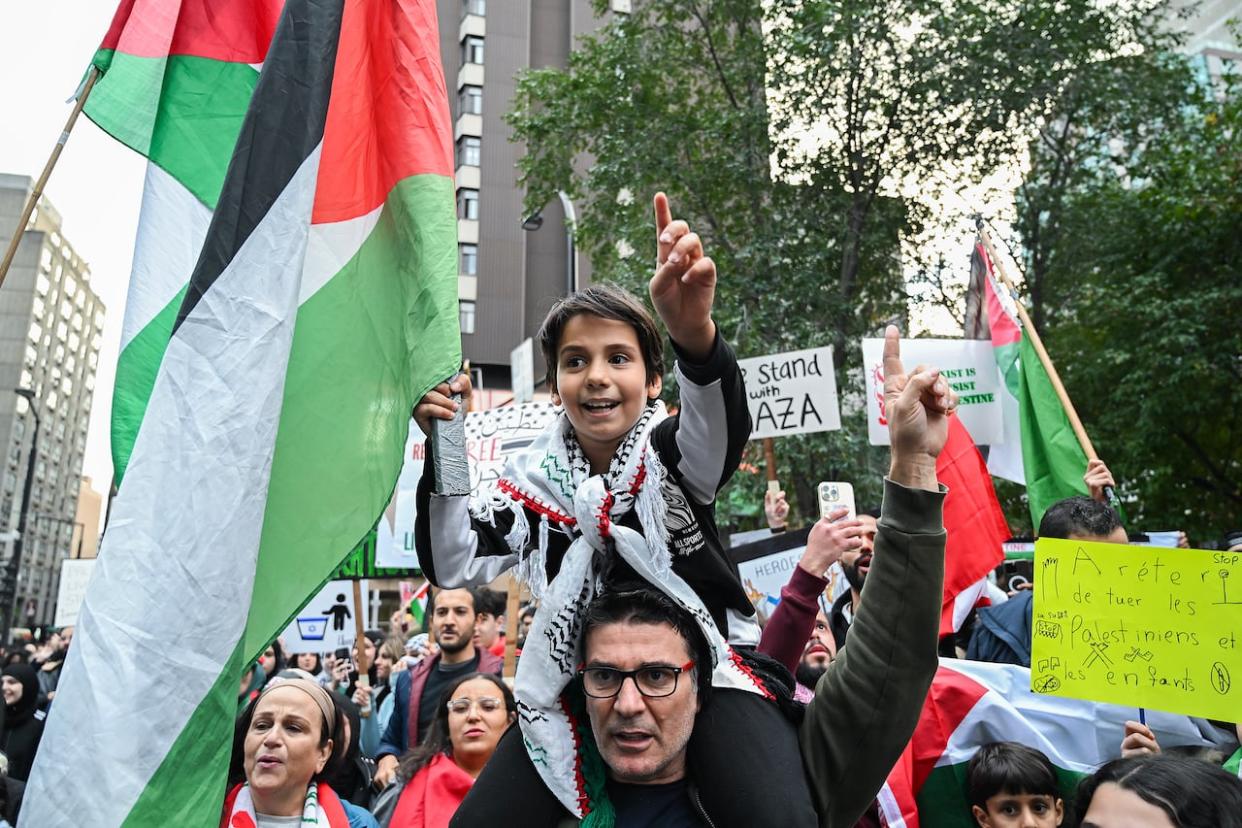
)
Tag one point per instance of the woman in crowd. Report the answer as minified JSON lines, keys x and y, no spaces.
{"x":376,"y":702}
{"x":310,"y":662}
{"x":23,"y":720}
{"x":282,"y":745}
{"x":434,"y":777}
{"x":1160,"y":792}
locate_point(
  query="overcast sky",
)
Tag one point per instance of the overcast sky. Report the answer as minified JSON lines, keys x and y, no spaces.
{"x":96,"y":187}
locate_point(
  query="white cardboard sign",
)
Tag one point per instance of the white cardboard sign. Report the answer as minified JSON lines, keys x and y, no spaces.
{"x":791,"y":393}
{"x":967,"y":364}
{"x":327,"y":621}
{"x":491,"y":436}
{"x":75,"y":574}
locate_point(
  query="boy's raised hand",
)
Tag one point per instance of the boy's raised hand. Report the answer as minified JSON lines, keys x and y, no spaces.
{"x":684,"y":285}
{"x":437,"y":404}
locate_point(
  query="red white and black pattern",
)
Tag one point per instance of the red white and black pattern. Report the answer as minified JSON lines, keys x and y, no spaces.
{"x":553,"y":480}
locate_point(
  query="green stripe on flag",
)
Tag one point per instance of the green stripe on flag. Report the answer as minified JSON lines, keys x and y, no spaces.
{"x":182,"y":112}
{"x":1054,"y":461}
{"x":373,"y":340}
{"x":176,"y":793}
{"x":136,"y":369}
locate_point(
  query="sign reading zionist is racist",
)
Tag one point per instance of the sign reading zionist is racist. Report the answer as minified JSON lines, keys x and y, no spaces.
{"x":970,"y":369}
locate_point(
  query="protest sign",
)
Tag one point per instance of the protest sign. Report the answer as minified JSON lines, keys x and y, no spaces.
{"x":765,"y":565}
{"x":970,"y":369}
{"x":791,"y":393}
{"x":491,"y":436}
{"x":327,"y":621}
{"x":1139,"y":626}
{"x":522,"y":371}
{"x":74,"y":575}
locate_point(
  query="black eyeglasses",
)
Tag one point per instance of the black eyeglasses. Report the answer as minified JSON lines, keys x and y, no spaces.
{"x":654,"y":681}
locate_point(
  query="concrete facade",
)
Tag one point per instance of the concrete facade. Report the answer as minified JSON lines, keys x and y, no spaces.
{"x":509,"y":277}
{"x":50,"y":327}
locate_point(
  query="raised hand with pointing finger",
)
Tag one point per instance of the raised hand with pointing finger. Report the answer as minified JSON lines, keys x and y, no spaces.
{"x":684,"y":285}
{"x":918,"y":404}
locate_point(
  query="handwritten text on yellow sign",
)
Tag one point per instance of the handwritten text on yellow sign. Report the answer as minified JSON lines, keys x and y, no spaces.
{"x":1139,"y":626}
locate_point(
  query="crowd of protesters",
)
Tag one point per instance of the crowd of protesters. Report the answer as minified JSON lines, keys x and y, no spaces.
{"x":646,"y":692}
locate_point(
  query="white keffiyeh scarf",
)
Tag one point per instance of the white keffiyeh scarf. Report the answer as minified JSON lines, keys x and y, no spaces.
{"x":552,"y":479}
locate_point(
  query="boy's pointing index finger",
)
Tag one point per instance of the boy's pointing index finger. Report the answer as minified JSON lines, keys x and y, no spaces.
{"x":663,"y":218}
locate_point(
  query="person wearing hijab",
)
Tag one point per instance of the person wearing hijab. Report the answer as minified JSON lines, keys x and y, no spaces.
{"x":23,"y":720}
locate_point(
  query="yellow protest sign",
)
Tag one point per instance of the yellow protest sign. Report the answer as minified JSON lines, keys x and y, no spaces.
{"x":1139,"y":626}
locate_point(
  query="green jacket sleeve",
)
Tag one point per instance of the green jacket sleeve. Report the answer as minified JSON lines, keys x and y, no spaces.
{"x":868,"y":702}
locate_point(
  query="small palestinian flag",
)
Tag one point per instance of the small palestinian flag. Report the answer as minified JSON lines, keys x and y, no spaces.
{"x":323,"y":304}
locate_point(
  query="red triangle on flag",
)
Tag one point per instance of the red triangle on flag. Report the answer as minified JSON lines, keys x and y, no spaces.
{"x":973,"y":520}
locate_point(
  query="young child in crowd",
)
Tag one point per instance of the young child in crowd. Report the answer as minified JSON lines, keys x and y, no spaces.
{"x":617,"y":491}
{"x":1013,"y":786}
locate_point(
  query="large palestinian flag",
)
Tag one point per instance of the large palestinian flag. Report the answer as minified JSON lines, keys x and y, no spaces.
{"x":972,"y":703}
{"x":177,"y":76}
{"x":322,"y":306}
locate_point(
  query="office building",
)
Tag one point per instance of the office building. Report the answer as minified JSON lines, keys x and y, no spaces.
{"x":509,"y":276}
{"x":50,"y":327}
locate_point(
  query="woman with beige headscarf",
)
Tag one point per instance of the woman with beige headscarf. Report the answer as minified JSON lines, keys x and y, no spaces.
{"x":282,"y":744}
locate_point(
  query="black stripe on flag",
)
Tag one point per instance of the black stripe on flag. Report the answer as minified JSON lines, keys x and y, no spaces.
{"x":283,"y":126}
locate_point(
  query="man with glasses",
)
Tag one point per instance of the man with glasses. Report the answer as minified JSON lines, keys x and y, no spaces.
{"x":645,"y":666}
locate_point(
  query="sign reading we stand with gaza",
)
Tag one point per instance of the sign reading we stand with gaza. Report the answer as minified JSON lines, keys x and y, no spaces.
{"x":970,"y":368}
{"x":791,"y":393}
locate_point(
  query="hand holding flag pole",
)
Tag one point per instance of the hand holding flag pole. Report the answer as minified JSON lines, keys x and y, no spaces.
{"x":1028,"y":329}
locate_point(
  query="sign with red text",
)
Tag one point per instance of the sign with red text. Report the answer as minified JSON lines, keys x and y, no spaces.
{"x":791,"y":393}
{"x":970,"y":368}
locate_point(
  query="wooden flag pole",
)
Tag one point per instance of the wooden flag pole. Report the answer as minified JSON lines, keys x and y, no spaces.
{"x":91,"y":76}
{"x":512,"y":608}
{"x":360,"y":648}
{"x":1028,"y":329}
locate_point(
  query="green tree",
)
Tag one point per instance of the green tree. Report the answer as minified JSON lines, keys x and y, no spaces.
{"x":792,"y":134}
{"x":1149,"y":345}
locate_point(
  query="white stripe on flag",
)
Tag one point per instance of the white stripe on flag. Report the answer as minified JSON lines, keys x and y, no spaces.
{"x":171,"y":229}
{"x":1076,"y":735}
{"x":175,"y":576}
{"x":1005,"y":459}
{"x":331,"y":247}
{"x":966,"y":600}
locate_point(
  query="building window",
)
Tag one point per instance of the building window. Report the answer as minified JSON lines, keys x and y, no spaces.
{"x":478,"y":7}
{"x":465,"y":315}
{"x":472,"y":50}
{"x":470,"y":100}
{"x":36,"y":332}
{"x":468,"y":204}
{"x":71,"y":287}
{"x":45,"y":260}
{"x":42,"y":285}
{"x":469,"y":259}
{"x":469,"y":150}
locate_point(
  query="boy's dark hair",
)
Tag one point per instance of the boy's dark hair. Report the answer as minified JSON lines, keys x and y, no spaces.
{"x":642,"y":605}
{"x":606,"y":302}
{"x":490,"y":601}
{"x":1010,"y":768}
{"x":1080,"y":516}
